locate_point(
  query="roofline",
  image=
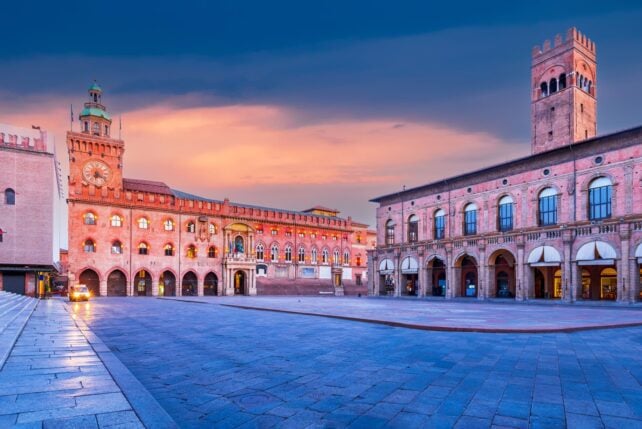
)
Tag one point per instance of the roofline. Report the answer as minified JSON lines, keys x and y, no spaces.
{"x":504,"y":164}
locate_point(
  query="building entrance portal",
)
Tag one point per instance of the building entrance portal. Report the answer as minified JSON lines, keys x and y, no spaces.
{"x":90,"y":279}
{"x":116,"y":284}
{"x":143,"y":284}
{"x":239,"y":283}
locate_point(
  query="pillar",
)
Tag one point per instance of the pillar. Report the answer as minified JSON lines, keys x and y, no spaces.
{"x":397,"y":275}
{"x":482,"y":274}
{"x":199,"y":286}
{"x":130,"y":287}
{"x":154,"y":286}
{"x":522,"y":287}
{"x":624,"y":281}
{"x":568,"y":278}
{"x":103,"y":287}
{"x":450,"y":274}
{"x":576,"y":280}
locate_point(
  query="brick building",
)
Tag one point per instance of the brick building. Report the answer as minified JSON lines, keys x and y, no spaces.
{"x":562,"y":223}
{"x":138,"y":237}
{"x":30,"y":208}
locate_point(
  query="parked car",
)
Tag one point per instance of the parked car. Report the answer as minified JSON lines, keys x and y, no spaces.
{"x":79,"y":293}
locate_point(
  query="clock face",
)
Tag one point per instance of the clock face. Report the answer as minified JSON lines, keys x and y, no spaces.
{"x":96,"y":172}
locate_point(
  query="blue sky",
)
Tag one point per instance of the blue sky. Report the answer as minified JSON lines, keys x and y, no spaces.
{"x":338,"y":69}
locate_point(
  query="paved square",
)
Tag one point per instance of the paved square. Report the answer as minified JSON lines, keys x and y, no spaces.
{"x":215,"y":366}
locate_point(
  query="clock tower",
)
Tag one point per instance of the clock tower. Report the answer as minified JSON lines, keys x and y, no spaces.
{"x":95,"y":159}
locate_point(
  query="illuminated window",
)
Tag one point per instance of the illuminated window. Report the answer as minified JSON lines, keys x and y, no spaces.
{"x":89,"y":246}
{"x":358,"y":261}
{"x":301,"y":254}
{"x":346,"y":258}
{"x":274,"y":253}
{"x":143,"y":248}
{"x":116,"y":247}
{"x":191,"y":251}
{"x":335,"y":257}
{"x":288,"y":254}
{"x":274,"y":231}
{"x":260,"y":252}
{"x":211,"y":252}
{"x":116,"y":221}
{"x":143,"y":223}
{"x":168,"y":225}
{"x":191,"y":226}
{"x":211,"y":228}
{"x":169,"y":250}
{"x":313,"y":255}
{"x":325,"y":255}
{"x":89,"y":218}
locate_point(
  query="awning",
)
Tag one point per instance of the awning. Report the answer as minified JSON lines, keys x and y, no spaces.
{"x":386,"y":267}
{"x":544,"y":256}
{"x":596,"y":253}
{"x":638,"y":251}
{"x":409,"y":266}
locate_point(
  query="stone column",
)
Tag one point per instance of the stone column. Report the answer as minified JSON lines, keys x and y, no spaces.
{"x":450,"y":274}
{"x":154,"y":286}
{"x":103,"y":287}
{"x":576,"y":282}
{"x":199,"y":286}
{"x":130,"y":287}
{"x":397,"y":275}
{"x":179,"y":285}
{"x":568,"y":278}
{"x":482,"y":272}
{"x":634,"y":276}
{"x":624,"y":281}
{"x":522,"y":286}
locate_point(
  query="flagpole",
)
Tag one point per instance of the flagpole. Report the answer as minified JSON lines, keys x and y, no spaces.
{"x":120,"y":126}
{"x":71,"y":122}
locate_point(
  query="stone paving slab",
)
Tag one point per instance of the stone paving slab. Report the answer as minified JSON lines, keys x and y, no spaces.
{"x":444,"y":315}
{"x":216,"y":366}
{"x":53,"y":378}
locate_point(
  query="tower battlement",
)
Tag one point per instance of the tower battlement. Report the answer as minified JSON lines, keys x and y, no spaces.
{"x":573,"y":38}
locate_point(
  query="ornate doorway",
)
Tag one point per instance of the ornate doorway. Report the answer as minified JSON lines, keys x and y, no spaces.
{"x":239,"y":283}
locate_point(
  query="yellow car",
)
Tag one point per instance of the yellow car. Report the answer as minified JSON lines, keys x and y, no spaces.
{"x":79,"y":293}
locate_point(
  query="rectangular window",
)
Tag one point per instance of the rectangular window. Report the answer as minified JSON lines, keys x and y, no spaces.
{"x":440,"y":227}
{"x":600,"y":203}
{"x":390,"y":235}
{"x":470,"y":222}
{"x":505,"y":217}
{"x":357,"y":279}
{"x":413,"y":231}
{"x":548,"y":210}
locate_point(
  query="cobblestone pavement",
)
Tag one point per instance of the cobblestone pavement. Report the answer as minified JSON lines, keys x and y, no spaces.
{"x":452,"y":315}
{"x":53,"y":378}
{"x":215,"y":366}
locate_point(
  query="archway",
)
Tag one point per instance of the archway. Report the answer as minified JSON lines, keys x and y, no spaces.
{"x":437,"y":277}
{"x":142,"y":283}
{"x":90,"y":279}
{"x":386,"y":277}
{"x":239,"y":283}
{"x":116,"y":284}
{"x":502,"y":274}
{"x":409,"y":274}
{"x":210,"y":285}
{"x":545,"y":262}
{"x":596,"y":260}
{"x":167,"y":284}
{"x":467,"y":266}
{"x":189,"y":285}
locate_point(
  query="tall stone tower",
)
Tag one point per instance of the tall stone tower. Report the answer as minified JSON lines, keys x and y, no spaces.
{"x":563,"y":101}
{"x":95,"y":159}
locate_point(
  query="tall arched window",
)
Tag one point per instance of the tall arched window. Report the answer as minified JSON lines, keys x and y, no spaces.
{"x":168,"y":225}
{"x":346,"y":257}
{"x":335,"y":256}
{"x":413,"y":228}
{"x":470,"y":219}
{"x":9,"y":197}
{"x":600,"y":191}
{"x":440,"y":224}
{"x":544,"y":89}
{"x":143,"y":223}
{"x":191,"y":251}
{"x":89,"y":246}
{"x":191,"y":226}
{"x":505,"y":213}
{"x":89,"y":218}
{"x":116,"y":247}
{"x":288,"y":254}
{"x":390,"y":232}
{"x":169,"y":250}
{"x":260,"y":252}
{"x":274,"y":253}
{"x":552,"y":86}
{"x":562,"y":81}
{"x":116,"y":221}
{"x":548,"y":207}
{"x":325,"y":255}
{"x":143,"y":248}
{"x":301,"y":254}
{"x":313,"y":255}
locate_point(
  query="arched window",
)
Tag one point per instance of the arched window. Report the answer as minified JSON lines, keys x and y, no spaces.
{"x":211,"y":228}
{"x":274,"y":253}
{"x":600,"y":191}
{"x":116,"y":221}
{"x":440,"y":224}
{"x":358,"y":261}
{"x":548,"y":207}
{"x":301,"y":254}
{"x":588,"y":86}
{"x":211,"y":252}
{"x":562,"y":81}
{"x":335,"y":257}
{"x":143,"y":248}
{"x":390,"y":232}
{"x":552,"y":86}
{"x":89,"y":246}
{"x":313,"y":255}
{"x":191,"y":251}
{"x":505,"y":213}
{"x":413,"y":228}
{"x":325,"y":255}
{"x":116,"y":247}
{"x":470,"y":219}
{"x":89,"y":218}
{"x":96,"y":128}
{"x":288,"y":254}
{"x":346,"y":258}
{"x":259,"y":252}
{"x":9,"y":197}
{"x":143,"y":223}
{"x":169,"y":250}
{"x":191,"y":226}
{"x":168,"y":225}
{"x":544,"y":89}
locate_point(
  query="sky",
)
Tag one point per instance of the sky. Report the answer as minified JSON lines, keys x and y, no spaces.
{"x":292,"y":104}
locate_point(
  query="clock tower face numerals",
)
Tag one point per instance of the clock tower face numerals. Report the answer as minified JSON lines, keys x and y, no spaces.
{"x":96,"y":172}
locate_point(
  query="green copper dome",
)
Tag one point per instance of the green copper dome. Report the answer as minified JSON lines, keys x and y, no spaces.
{"x":95,"y":111}
{"x":95,"y":87}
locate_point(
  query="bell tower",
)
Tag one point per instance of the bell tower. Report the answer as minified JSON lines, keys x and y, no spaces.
{"x":563,"y":92}
{"x":95,"y":159}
